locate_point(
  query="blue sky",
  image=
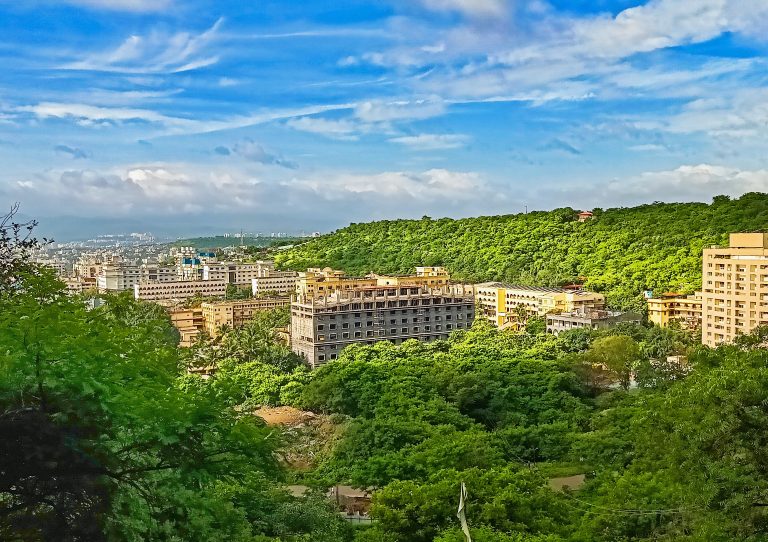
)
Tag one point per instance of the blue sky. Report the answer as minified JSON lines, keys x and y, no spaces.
{"x":201,"y":116}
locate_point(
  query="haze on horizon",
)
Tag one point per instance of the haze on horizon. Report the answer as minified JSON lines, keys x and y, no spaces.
{"x":200,"y":117}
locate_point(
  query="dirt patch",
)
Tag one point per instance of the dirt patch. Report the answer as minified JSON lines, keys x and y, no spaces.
{"x":285,"y":416}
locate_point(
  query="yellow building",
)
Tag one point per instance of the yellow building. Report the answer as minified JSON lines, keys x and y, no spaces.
{"x":233,"y":314}
{"x":322,"y":282}
{"x":189,"y":322}
{"x":735,"y":288}
{"x":667,"y":308}
{"x":504,"y":304}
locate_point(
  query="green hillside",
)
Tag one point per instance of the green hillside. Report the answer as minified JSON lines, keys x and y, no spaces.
{"x":620,"y":251}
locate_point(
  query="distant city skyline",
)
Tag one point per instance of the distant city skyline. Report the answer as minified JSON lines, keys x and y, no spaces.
{"x":197,"y":117}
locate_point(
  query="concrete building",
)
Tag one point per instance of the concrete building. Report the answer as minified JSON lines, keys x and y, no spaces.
{"x":685,"y":309}
{"x":504,"y":304}
{"x":595,"y":319}
{"x":80,"y":285}
{"x":116,"y":277}
{"x":189,"y":322}
{"x":323,"y":325}
{"x":179,"y":290}
{"x":278,"y":282}
{"x":321,"y":282}
{"x":735,"y":288}
{"x":234,"y":314}
{"x":238,"y":273}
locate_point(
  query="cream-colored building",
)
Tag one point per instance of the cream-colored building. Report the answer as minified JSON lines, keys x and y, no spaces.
{"x":80,"y":285}
{"x":321,"y":282}
{"x":179,"y":290}
{"x":236,"y":313}
{"x":238,"y":273}
{"x":734,"y":288}
{"x":189,"y":322}
{"x":323,"y":325}
{"x":685,"y":309}
{"x":504,"y":304}
{"x":116,"y":277}
{"x":279,"y":282}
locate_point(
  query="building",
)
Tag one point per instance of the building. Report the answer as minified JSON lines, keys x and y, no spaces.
{"x":278,"y":282}
{"x":179,"y":290}
{"x":189,"y":322}
{"x":233,"y":314}
{"x":116,"y":277}
{"x":735,"y":288}
{"x":238,"y":273}
{"x":595,"y":319}
{"x":322,"y":326}
{"x":80,"y":285}
{"x":585,"y":215}
{"x":685,"y":309}
{"x":321,"y":282}
{"x":506,"y":305}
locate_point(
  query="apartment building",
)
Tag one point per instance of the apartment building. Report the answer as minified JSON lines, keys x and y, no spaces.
{"x":80,"y":285}
{"x":671,"y":307}
{"x":233,"y":314}
{"x":322,"y":326}
{"x":321,"y":282}
{"x":591,"y":319}
{"x":504,"y":304}
{"x":179,"y":290}
{"x":116,"y":277}
{"x":189,"y":322}
{"x":735,"y":288}
{"x":238,"y":273}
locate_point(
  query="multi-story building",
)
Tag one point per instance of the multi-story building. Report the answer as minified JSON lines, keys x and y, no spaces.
{"x":320,"y":282}
{"x":685,"y":309}
{"x":233,"y":314}
{"x":322,"y":325}
{"x":507,"y":305}
{"x":116,"y":277}
{"x":80,"y":285}
{"x":179,"y":290}
{"x":593,"y":319}
{"x":189,"y":322}
{"x":278,"y":282}
{"x":735,"y":288}
{"x":238,"y":273}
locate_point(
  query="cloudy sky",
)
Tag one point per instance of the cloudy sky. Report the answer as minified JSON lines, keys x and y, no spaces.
{"x":198,"y":116}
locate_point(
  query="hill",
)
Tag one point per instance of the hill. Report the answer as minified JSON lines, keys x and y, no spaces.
{"x":620,"y":252}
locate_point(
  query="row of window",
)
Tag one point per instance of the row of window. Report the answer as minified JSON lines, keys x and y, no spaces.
{"x":392,"y":331}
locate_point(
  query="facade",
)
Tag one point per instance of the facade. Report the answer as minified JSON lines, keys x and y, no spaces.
{"x":735,"y":288}
{"x":322,"y":326}
{"x":278,"y":282}
{"x":596,"y":319}
{"x":504,"y":304}
{"x":233,"y":314}
{"x":179,"y":290}
{"x":238,"y":273}
{"x":116,"y":277}
{"x":189,"y":322}
{"x":321,"y":282}
{"x":685,"y":309}
{"x":80,"y":285}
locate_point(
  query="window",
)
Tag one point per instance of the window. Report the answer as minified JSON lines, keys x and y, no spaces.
{"x":392,"y":331}
{"x":404,"y":321}
{"x":404,"y":330}
{"x":416,"y":329}
{"x":345,"y":325}
{"x":369,"y":333}
{"x":358,"y":324}
{"x":321,"y":337}
{"x":449,"y":326}
{"x":332,"y":326}
{"x":332,"y":336}
{"x":392,"y":321}
{"x":334,"y":356}
{"x":358,"y":334}
{"x":427,"y":328}
{"x":345,"y":335}
{"x":321,"y":357}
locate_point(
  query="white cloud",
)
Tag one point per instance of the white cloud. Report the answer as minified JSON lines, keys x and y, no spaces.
{"x":156,"y":52}
{"x":431,"y":141}
{"x":254,"y":152}
{"x":472,"y":8}
{"x":382,"y":111}
{"x":124,"y":5}
{"x":342,"y":129}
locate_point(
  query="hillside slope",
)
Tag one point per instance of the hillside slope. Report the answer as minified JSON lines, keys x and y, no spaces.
{"x":620,"y":252}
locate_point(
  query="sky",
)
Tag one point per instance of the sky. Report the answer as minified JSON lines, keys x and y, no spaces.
{"x":188,"y":117}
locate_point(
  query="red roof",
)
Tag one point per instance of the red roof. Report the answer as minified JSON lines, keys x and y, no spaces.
{"x":585,"y":213}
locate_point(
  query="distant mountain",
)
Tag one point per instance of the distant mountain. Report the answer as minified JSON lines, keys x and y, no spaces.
{"x":621,"y":252}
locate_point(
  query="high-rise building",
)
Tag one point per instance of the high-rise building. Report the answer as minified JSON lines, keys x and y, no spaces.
{"x":735,"y":288}
{"x":322,"y":325}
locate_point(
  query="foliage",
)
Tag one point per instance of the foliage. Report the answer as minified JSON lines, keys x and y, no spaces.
{"x":621,"y":252}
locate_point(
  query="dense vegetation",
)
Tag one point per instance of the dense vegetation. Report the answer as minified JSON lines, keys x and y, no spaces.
{"x":106,"y":435}
{"x":620,"y":251}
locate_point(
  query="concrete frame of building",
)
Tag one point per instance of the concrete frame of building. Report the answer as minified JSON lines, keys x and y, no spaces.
{"x":322,"y":326}
{"x":233,"y":314}
{"x":559,"y":322}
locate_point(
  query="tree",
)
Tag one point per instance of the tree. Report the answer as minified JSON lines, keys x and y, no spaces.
{"x":618,"y":354}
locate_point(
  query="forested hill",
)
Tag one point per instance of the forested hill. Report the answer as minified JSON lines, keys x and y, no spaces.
{"x":620,"y":251}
